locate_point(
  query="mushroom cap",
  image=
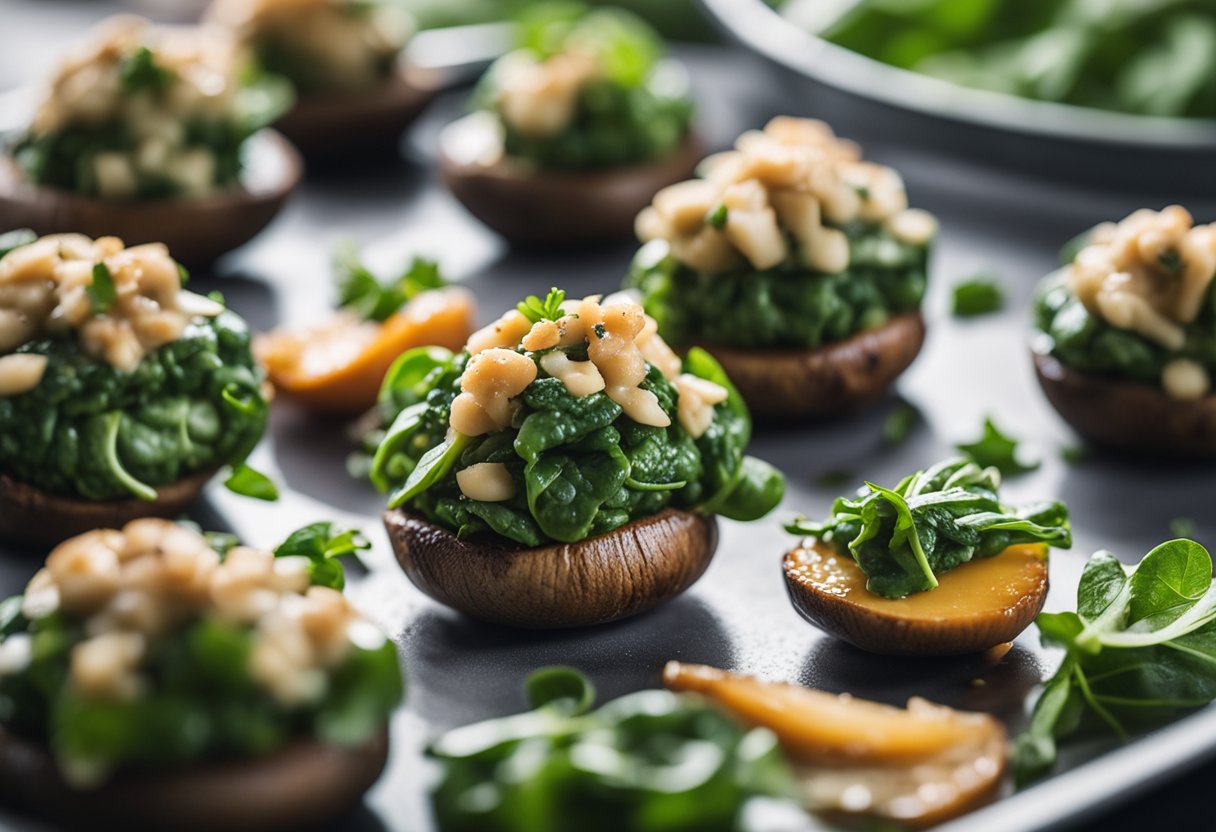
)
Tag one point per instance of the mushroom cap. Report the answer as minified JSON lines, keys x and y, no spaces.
{"x":304,"y":785}
{"x":33,"y":517}
{"x":977,"y":605}
{"x":594,"y":581}
{"x":196,"y":229}
{"x":343,"y":126}
{"x":1128,"y":415}
{"x":786,"y":384}
{"x":532,"y":207}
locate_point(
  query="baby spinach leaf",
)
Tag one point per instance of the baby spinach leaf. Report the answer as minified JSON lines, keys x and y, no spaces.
{"x":758,"y":490}
{"x":930,"y":523}
{"x":322,"y":545}
{"x":565,"y":493}
{"x":433,"y":465}
{"x":979,"y":295}
{"x":1169,"y":581}
{"x":249,"y":482}
{"x":101,"y":291}
{"x":407,"y":378}
{"x":559,"y":418}
{"x":1102,"y":581}
{"x":996,"y":449}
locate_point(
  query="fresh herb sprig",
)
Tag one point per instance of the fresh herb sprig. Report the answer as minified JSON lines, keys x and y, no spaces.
{"x":537,"y":310}
{"x":375,"y":299}
{"x":933,"y":521}
{"x":322,"y":544}
{"x":1140,"y":648}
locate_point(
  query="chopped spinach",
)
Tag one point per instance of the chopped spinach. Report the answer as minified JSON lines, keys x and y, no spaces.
{"x":652,"y":761}
{"x":1140,"y":648}
{"x":94,"y":432}
{"x":932,"y":522}
{"x":786,"y":306}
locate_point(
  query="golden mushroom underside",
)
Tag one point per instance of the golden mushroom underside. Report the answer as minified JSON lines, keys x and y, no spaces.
{"x":594,"y":581}
{"x":787,"y":383}
{"x":977,"y":605}
{"x":564,"y":207}
{"x":307,"y":784}
{"x":1129,"y":415}
{"x":32,"y":517}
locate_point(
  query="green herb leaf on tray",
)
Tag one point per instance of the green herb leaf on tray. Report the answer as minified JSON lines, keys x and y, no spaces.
{"x":1140,"y":649}
{"x":899,"y":423}
{"x":101,"y":291}
{"x":902,"y":538}
{"x":374,"y":299}
{"x":249,"y":482}
{"x":979,"y":295}
{"x":537,"y":310}
{"x":322,"y":545}
{"x":997,"y":449}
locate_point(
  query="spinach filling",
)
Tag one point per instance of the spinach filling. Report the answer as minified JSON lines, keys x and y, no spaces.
{"x":94,"y":432}
{"x":199,"y":701}
{"x":632,"y":114}
{"x":579,"y":465}
{"x":786,"y":306}
{"x":1086,"y":343}
{"x":932,"y":522}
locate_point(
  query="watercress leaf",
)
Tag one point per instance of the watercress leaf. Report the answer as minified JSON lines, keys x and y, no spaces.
{"x":1102,"y":580}
{"x":562,"y":688}
{"x":101,"y":291}
{"x":248,"y":482}
{"x":1169,"y":581}
{"x":1059,"y":628}
{"x":433,"y":465}
{"x":995,"y":448}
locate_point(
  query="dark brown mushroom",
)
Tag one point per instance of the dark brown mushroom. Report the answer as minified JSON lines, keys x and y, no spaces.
{"x":532,"y":206}
{"x":306,"y":785}
{"x":976,"y":606}
{"x":32,"y":517}
{"x":594,"y":581}
{"x":196,"y":230}
{"x":328,"y":125}
{"x":798,"y":384}
{"x":1129,"y":415}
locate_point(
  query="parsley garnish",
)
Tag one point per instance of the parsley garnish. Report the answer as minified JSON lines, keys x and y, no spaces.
{"x":139,"y":71}
{"x":376,"y":300}
{"x":101,"y":291}
{"x":537,"y":310}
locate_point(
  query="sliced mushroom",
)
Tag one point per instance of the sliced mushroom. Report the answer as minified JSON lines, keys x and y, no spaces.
{"x":594,"y":581}
{"x":345,"y":127}
{"x":196,"y":230}
{"x":1127,"y":415}
{"x":977,"y":605}
{"x":857,"y":759}
{"x":537,"y":207}
{"x":787,"y":384}
{"x":32,"y":517}
{"x":305,"y":785}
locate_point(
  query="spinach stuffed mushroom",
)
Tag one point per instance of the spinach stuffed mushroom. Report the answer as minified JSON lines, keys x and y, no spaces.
{"x":147,"y":133}
{"x":1125,"y":343}
{"x":121,"y":393}
{"x":565,"y":469}
{"x":574,"y":131}
{"x":797,"y":264}
{"x":342,"y":58}
{"x":154,"y":677}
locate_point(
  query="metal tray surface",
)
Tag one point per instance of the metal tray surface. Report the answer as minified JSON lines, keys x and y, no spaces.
{"x":737,"y":616}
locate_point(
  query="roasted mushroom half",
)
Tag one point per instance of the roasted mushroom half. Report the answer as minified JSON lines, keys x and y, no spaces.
{"x":565,"y":469}
{"x":799,"y":266}
{"x":1122,"y":333}
{"x":147,"y":134}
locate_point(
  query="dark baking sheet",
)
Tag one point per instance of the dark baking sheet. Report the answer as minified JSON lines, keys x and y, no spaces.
{"x":737,"y":616}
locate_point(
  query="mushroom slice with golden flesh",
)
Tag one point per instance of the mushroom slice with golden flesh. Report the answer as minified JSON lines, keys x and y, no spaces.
{"x":195,"y":229}
{"x":978,"y":605}
{"x":916,"y":766}
{"x":789,"y":383}
{"x":1129,"y":415}
{"x":594,"y":581}
{"x":32,"y":517}
{"x":534,"y":207}
{"x":305,"y":785}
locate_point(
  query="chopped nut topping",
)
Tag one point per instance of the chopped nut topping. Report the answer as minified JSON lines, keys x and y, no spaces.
{"x":490,"y":381}
{"x":48,"y":287}
{"x":1149,"y":273}
{"x":134,"y":586}
{"x":794,"y":177}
